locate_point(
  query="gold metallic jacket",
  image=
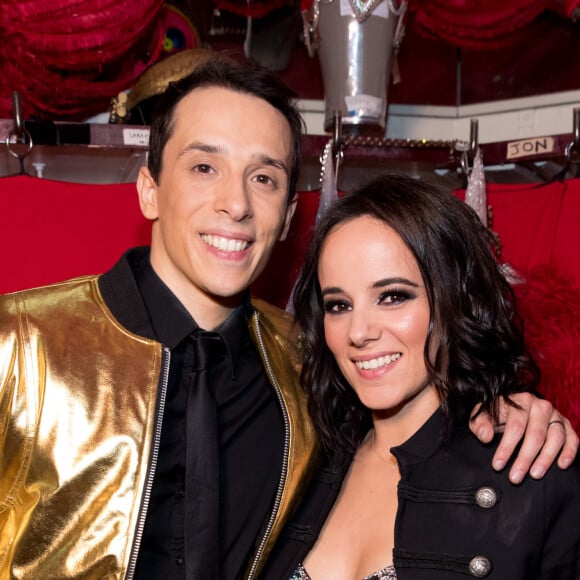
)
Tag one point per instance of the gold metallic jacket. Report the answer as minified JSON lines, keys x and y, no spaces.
{"x":81,"y":402}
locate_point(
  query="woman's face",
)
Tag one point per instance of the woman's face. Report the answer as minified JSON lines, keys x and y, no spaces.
{"x":376,"y":315}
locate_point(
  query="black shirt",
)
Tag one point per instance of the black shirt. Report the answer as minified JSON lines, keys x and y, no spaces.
{"x":250,"y":433}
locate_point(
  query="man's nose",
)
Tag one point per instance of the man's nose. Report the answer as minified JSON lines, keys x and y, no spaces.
{"x":233,"y":199}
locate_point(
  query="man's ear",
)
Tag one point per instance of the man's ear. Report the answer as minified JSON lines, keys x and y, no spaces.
{"x":289,"y":213}
{"x":147,"y":189}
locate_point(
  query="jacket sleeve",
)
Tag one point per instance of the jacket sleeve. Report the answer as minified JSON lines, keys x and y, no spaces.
{"x":17,"y":420}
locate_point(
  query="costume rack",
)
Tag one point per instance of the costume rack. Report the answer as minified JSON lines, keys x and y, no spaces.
{"x":113,"y":153}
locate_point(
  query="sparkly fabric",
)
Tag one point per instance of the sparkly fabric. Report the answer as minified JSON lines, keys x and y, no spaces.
{"x":475,"y":195}
{"x":387,"y":573}
{"x":328,"y":195}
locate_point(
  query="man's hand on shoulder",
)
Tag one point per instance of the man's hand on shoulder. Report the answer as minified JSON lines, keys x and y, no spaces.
{"x":546,"y":433}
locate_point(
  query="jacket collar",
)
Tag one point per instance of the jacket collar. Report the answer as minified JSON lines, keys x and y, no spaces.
{"x":121,"y":294}
{"x":120,"y":291}
{"x":424,"y":443}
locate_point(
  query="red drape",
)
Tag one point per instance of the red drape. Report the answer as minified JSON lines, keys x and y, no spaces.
{"x":538,"y":225}
{"x":473,"y":24}
{"x":52,"y":230}
{"x":68,"y":58}
{"x":255,"y":9}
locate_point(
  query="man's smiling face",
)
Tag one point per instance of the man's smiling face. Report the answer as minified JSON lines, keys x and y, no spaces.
{"x":221,"y":202}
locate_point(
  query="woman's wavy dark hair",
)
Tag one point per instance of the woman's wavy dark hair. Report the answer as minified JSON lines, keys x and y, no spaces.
{"x":479,"y":350}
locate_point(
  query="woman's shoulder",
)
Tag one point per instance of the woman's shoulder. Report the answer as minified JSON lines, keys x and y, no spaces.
{"x":470,"y":453}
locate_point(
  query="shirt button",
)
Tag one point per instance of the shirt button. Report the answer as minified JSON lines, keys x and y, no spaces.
{"x":180,"y":561}
{"x":486,"y":497}
{"x":480,"y":567}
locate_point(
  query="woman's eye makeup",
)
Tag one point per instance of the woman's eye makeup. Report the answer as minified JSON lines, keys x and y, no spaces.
{"x":387,"y":297}
{"x":335,"y":306}
{"x":395,"y":296}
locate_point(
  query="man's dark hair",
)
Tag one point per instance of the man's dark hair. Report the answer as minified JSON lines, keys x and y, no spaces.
{"x":221,"y":71}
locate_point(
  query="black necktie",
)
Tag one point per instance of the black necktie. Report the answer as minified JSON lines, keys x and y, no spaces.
{"x":202,"y":465}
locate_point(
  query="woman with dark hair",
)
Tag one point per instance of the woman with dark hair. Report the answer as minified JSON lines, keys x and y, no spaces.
{"x":407,"y":322}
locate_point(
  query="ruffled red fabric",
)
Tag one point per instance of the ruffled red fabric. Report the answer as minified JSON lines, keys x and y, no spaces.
{"x":550,"y":307}
{"x":80,"y":34}
{"x":67,"y":58}
{"x":476,"y":24}
{"x":255,"y":9}
{"x":571,"y":5}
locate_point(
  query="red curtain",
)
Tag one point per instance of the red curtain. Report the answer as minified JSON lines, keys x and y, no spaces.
{"x":474,"y":24}
{"x":538,"y":225}
{"x":477,"y":23}
{"x":68,"y":58}
{"x":52,"y":230}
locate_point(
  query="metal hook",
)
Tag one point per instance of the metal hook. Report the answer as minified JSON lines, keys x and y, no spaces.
{"x":468,"y":150}
{"x":336,"y":132}
{"x":337,"y":152}
{"x":574,"y":145}
{"x":473,"y":136}
{"x":16,"y":114}
{"x":18,"y":135}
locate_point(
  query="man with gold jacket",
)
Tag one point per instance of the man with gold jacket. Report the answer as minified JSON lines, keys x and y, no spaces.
{"x":151,"y":419}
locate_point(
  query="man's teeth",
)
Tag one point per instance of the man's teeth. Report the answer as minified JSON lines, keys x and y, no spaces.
{"x":225,"y":244}
{"x":376,"y":363}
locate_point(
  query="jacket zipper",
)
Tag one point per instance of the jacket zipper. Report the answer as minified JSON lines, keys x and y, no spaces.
{"x":152,"y":466}
{"x":284,"y":473}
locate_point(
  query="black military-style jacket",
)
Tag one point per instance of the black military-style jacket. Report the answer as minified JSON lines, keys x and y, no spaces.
{"x":457,"y":517}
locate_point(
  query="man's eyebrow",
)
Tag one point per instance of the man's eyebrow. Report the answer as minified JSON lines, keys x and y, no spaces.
{"x":200,"y":146}
{"x":278,"y":163}
{"x":207,"y":148}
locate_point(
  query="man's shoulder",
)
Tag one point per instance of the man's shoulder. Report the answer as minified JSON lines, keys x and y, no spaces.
{"x":279,"y":330}
{"x":42,"y":296}
{"x":66,"y":292}
{"x":47,"y":308}
{"x":280,"y":319}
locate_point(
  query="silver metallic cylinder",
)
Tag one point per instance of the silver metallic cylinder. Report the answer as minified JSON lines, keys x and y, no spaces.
{"x":355,"y":58}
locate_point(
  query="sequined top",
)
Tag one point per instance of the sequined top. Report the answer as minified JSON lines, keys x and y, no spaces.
{"x":387,"y":573}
